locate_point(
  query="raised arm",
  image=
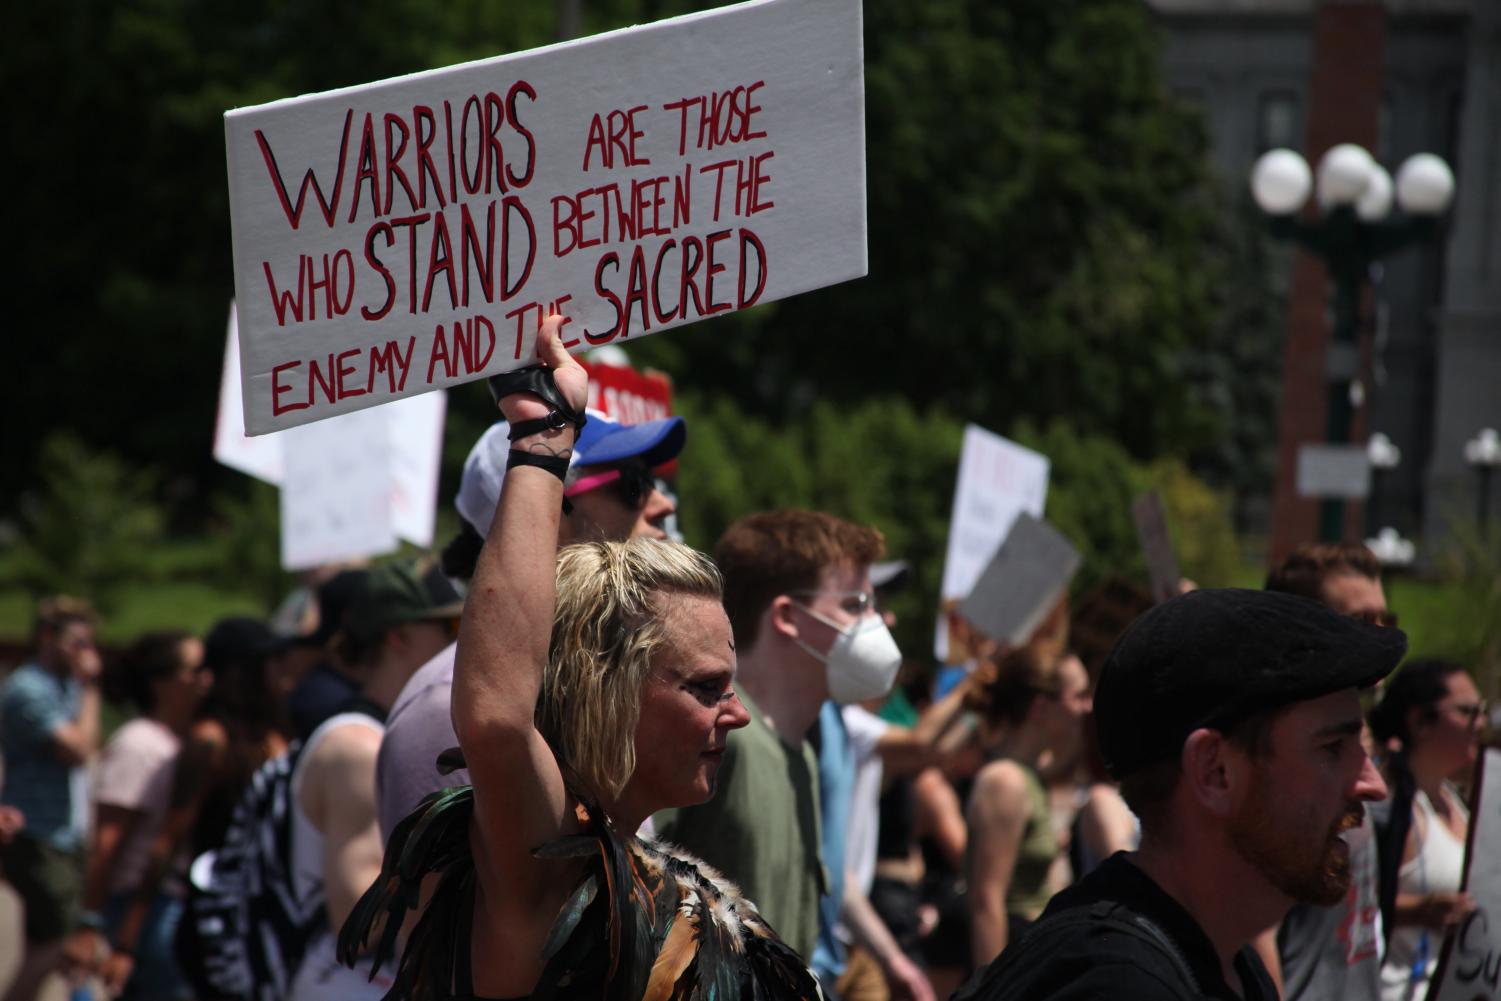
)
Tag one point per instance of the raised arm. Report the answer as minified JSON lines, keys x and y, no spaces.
{"x":940,"y":731}
{"x":520,"y":799}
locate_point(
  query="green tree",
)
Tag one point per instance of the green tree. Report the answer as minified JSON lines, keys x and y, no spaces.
{"x":1038,"y":223}
{"x":1041,"y":234}
{"x":91,"y":527}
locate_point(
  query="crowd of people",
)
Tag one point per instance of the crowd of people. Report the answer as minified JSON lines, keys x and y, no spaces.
{"x":573,"y":758}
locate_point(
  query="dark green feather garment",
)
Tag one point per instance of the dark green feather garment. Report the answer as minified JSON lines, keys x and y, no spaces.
{"x":646,"y":923}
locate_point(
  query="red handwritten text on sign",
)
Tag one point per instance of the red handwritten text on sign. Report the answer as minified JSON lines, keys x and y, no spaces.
{"x":449,"y":221}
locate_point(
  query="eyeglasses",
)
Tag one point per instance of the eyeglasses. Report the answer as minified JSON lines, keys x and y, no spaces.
{"x":1376,"y":618}
{"x":634,"y":483}
{"x":1471,"y":711}
{"x":856,"y":603}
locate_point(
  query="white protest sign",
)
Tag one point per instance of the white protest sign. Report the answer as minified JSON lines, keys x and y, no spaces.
{"x":415,"y":427}
{"x":1342,"y":471}
{"x":998,"y":480}
{"x":336,"y":499}
{"x":258,"y":457}
{"x":1469,"y":966}
{"x":409,"y":234}
{"x":411,"y":447}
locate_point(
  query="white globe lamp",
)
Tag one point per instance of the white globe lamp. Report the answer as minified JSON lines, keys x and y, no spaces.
{"x":1425,"y":185}
{"x":1280,"y":182}
{"x":1344,"y":174}
{"x":1376,"y":203}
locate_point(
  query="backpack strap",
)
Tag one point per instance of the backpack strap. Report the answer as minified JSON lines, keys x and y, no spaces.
{"x":1103,"y":913}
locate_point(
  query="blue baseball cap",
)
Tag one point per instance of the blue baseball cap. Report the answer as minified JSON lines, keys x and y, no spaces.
{"x":601,"y":442}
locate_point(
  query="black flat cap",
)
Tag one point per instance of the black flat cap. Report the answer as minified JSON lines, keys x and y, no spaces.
{"x":1214,"y":658}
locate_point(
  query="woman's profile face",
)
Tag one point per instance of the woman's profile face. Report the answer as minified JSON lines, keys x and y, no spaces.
{"x":1069,"y":707}
{"x":688,"y":707}
{"x":1453,"y":735}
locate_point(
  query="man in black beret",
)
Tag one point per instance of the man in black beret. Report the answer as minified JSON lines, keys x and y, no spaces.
{"x":1232,"y":720}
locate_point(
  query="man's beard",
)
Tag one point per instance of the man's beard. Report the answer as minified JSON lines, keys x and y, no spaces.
{"x":1306,"y":872}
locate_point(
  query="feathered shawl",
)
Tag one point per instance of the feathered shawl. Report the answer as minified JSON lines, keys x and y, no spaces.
{"x":646,"y":923}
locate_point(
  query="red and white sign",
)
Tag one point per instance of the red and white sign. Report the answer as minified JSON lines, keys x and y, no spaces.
{"x":401,"y":236}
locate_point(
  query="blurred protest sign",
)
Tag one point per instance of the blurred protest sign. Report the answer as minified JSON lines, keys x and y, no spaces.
{"x":1342,"y":471}
{"x":1156,"y":545}
{"x":1469,"y":966}
{"x":412,"y":233}
{"x":629,"y":396}
{"x":336,"y":494}
{"x":397,"y":448}
{"x":998,"y":480}
{"x":1022,"y":583}
{"x":258,"y":457}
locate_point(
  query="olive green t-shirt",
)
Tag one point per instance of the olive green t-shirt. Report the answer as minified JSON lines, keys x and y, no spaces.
{"x":761,"y":829}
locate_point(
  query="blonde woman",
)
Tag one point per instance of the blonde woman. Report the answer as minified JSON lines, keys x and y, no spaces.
{"x":592,"y":687}
{"x":1033,"y":702}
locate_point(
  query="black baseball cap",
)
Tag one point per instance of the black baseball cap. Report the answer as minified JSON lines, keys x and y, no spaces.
{"x":334,"y":598}
{"x":240,"y":640}
{"x":1214,"y":658}
{"x":401,"y":592}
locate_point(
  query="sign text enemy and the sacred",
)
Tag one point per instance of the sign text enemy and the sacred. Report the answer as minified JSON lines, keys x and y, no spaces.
{"x":397,"y":237}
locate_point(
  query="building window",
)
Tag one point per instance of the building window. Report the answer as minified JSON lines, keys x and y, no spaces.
{"x":1278,"y":121}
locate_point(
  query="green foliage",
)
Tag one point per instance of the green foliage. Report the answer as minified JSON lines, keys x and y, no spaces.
{"x":91,"y":528}
{"x":885,"y":463}
{"x":1039,"y":221}
{"x":1464,"y":626}
{"x":881,"y":463}
{"x":1199,"y":521}
{"x":1236,"y":372}
{"x":1092,"y":485}
{"x":1041,"y":234}
{"x":246,"y":535}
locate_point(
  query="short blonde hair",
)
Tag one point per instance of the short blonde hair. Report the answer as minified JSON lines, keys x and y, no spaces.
{"x":607,"y":627}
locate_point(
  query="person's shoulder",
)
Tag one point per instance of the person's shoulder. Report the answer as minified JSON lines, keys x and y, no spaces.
{"x":1075,"y":953}
{"x":340,"y":743}
{"x":143,"y":738}
{"x":426,"y":692}
{"x":1101,"y":978}
{"x":29,"y":682}
{"x":1000,"y":783}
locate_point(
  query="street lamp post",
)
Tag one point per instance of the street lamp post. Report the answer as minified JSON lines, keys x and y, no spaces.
{"x":1352,"y":233}
{"x":1384,"y":456}
{"x":1483,"y":453}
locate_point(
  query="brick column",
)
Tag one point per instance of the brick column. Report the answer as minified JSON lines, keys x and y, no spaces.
{"x":1344,"y":105}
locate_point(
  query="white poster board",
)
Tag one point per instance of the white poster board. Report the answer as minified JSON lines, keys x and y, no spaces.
{"x":1469,"y":965}
{"x":1341,"y":471}
{"x":400,"y":446}
{"x":409,"y":234}
{"x":336,"y":498}
{"x":998,"y":480}
{"x":259,"y":457}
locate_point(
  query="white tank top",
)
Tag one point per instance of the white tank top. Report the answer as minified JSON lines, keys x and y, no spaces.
{"x":1438,"y":865}
{"x":321,"y":977}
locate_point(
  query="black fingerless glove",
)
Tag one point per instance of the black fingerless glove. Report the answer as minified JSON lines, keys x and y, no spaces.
{"x":536,"y":379}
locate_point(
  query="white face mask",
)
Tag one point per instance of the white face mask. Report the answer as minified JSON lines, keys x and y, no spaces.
{"x":863,"y":661}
